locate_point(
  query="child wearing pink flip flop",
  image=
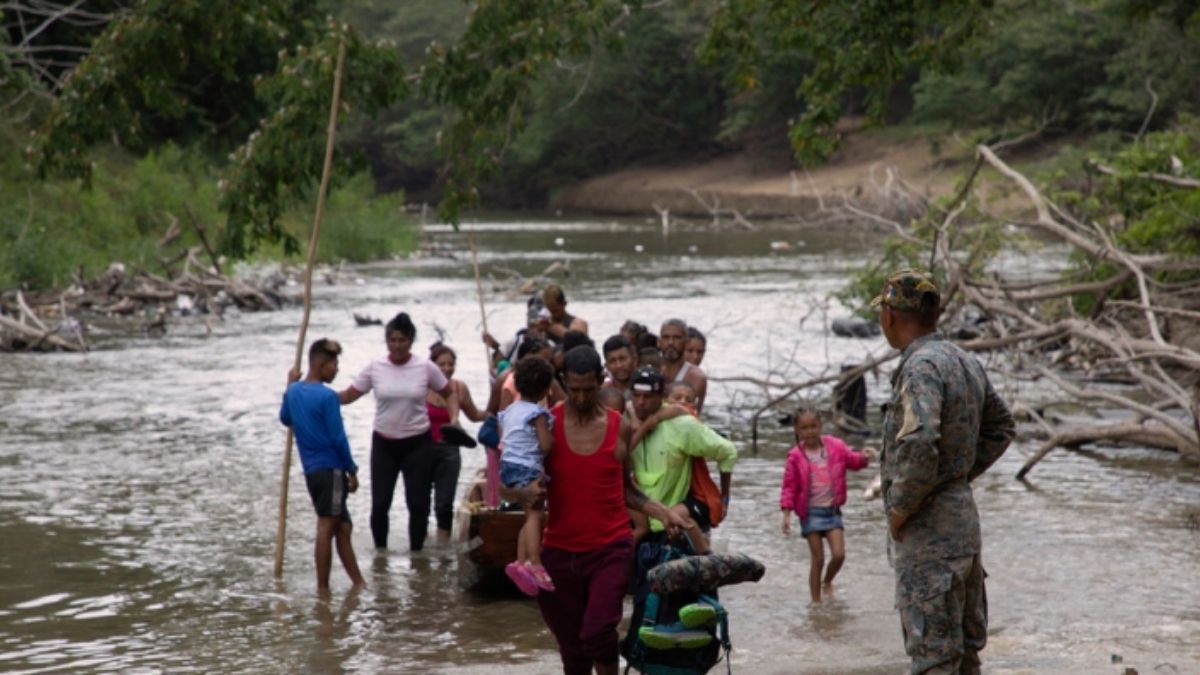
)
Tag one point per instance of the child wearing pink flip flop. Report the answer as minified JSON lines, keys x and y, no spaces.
{"x":525,"y":439}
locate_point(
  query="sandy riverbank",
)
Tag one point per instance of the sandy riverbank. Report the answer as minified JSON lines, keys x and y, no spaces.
{"x":859,"y":171}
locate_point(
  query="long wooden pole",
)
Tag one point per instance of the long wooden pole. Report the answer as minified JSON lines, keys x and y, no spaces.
{"x":281,"y":531}
{"x":479,"y":294}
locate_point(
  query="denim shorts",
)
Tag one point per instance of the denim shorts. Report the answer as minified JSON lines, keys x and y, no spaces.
{"x":517,"y":475}
{"x":821,"y":519}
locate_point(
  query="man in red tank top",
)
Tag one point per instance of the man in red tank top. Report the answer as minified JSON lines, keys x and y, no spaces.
{"x":587,"y":546}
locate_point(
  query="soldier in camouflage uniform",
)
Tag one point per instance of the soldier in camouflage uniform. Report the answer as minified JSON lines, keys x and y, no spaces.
{"x":944,"y":426}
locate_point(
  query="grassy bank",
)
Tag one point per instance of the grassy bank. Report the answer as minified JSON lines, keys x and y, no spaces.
{"x":141,"y":211}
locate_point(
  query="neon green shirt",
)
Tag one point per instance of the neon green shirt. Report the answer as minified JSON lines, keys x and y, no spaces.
{"x":662,"y":462}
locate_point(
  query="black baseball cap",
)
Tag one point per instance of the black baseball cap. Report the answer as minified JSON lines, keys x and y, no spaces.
{"x":647,"y":380}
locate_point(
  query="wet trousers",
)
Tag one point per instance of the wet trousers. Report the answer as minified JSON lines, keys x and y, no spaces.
{"x":585,"y":606}
{"x":943,"y":614}
{"x":415,"y":457}
{"x":445,"y":481}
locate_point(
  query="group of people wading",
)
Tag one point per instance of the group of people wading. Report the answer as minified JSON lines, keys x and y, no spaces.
{"x":605,"y":448}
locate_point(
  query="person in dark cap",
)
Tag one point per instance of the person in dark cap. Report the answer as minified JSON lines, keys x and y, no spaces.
{"x":586,"y":546}
{"x":944,"y":426}
{"x":662,"y":460}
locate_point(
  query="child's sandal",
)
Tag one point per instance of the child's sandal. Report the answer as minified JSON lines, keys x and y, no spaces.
{"x":541,"y":577}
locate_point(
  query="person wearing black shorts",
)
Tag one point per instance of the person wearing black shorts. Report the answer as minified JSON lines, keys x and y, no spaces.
{"x":314,"y":413}
{"x":328,"y":489}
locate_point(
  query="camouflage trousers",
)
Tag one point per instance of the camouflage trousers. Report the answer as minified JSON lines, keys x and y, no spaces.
{"x":943,"y":613}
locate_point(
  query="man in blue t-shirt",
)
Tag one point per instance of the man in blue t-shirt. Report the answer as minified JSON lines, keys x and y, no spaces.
{"x":314,"y":413}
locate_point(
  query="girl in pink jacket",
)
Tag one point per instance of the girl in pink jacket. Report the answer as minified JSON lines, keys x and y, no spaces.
{"x":814,"y":486}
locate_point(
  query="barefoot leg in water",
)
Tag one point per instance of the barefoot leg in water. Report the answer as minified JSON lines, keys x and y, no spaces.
{"x":837,"y":556}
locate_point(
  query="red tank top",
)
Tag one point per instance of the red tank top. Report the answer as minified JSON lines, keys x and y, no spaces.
{"x":585,"y":498}
{"x":438,"y":415}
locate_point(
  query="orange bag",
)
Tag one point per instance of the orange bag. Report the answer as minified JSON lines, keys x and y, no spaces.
{"x":705,"y":491}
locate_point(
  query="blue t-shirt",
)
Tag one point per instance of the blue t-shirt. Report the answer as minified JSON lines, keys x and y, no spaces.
{"x":517,"y":435}
{"x":314,"y":413}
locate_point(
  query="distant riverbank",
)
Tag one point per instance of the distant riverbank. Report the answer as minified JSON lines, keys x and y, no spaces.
{"x":862,"y":171}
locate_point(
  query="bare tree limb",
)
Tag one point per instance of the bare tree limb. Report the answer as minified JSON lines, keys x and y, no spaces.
{"x":1159,"y":177}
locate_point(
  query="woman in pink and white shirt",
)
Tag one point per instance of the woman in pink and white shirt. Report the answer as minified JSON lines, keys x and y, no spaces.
{"x":401,"y":442}
{"x":814,"y":488}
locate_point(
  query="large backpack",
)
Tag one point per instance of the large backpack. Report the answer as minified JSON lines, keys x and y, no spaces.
{"x":659,"y":613}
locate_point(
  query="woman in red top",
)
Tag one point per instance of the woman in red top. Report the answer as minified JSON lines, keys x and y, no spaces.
{"x":587,"y":547}
{"x":445,"y":410}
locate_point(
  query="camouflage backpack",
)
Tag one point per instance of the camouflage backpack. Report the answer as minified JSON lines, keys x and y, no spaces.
{"x":674,"y":632}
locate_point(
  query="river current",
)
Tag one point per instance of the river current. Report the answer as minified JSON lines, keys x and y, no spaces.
{"x":139,"y":486}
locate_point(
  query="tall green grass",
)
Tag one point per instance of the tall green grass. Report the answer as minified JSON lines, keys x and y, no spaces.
{"x":51,"y":229}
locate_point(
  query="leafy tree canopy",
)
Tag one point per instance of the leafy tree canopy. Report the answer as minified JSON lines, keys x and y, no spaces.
{"x":870,"y":45}
{"x":255,"y":75}
{"x":491,"y":72}
{"x":177,"y":70}
{"x":282,"y":160}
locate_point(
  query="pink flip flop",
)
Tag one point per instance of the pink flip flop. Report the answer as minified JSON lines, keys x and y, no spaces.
{"x":522,"y":576}
{"x":541,"y":577}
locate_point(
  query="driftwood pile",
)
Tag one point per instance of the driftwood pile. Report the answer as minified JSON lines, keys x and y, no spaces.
{"x":130,"y":302}
{"x":1121,"y":369}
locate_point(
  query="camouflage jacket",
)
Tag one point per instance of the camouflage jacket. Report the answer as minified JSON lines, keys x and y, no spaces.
{"x":944,"y":426}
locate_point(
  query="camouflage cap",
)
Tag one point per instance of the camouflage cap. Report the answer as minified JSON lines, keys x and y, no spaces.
{"x":905,"y":290}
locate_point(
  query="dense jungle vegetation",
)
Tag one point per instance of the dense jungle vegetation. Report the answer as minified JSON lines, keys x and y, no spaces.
{"x":125,"y":118}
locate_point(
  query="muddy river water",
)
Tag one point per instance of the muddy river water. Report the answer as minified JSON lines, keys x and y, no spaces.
{"x":139,"y":484}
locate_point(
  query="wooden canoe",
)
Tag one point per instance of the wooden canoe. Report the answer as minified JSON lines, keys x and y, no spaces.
{"x":486,"y":541}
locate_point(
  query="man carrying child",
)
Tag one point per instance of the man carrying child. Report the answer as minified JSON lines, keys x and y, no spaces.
{"x":587,"y":547}
{"x":314,"y":413}
{"x":662,"y":461}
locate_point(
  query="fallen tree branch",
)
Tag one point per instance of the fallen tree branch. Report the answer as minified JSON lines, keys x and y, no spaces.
{"x":844,"y":376}
{"x":38,"y":336}
{"x":1130,"y":432}
{"x":1186,"y":435}
{"x":1177,"y":181}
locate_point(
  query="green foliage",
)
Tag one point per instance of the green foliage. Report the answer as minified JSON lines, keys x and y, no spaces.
{"x":281,"y":162}
{"x":532,"y":94}
{"x":178,"y":70}
{"x":1151,"y":216}
{"x":401,"y":143}
{"x":489,"y":75}
{"x":13,"y":80}
{"x":359,"y":226}
{"x":1143,"y":216}
{"x":1074,"y":65}
{"x":55,"y":227}
{"x":870,"y":45}
{"x":972,"y":239}
{"x":647,"y":100}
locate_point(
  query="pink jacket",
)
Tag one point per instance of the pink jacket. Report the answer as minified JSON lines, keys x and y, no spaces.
{"x":794,"y":493}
